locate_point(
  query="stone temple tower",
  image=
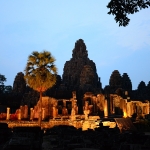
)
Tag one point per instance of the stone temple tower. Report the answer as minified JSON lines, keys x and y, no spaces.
{"x":80,"y":72}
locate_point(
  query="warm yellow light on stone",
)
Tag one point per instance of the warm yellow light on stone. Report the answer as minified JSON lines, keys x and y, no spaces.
{"x":109,"y":124}
{"x":31,"y":113}
{"x":8,"y":113}
{"x":43,"y":113}
{"x":105,"y":109}
{"x":19,"y":114}
{"x":124,"y":114}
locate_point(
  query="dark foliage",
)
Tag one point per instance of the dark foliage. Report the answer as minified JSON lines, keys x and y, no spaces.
{"x":2,"y":80}
{"x":121,"y":8}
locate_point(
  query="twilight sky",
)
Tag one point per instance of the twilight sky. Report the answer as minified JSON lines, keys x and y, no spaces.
{"x":55,"y":26}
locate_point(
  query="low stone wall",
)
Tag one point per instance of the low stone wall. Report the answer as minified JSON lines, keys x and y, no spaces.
{"x":12,"y":124}
{"x":78,"y":123}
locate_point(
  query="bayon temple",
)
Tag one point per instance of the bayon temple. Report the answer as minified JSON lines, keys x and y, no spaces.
{"x":79,"y":95}
{"x":82,"y":92}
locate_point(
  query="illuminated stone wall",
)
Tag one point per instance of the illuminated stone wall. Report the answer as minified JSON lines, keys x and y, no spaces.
{"x":128,"y":106}
{"x":92,"y":105}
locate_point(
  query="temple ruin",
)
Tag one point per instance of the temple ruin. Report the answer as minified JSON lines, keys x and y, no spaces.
{"x":78,"y":97}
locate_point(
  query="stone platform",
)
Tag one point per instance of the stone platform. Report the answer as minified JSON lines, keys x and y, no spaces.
{"x":91,"y":123}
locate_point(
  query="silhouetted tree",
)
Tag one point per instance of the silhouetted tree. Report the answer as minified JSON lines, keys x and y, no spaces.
{"x":121,"y":8}
{"x":2,"y":80}
{"x":5,"y":91}
{"x":8,"y":89}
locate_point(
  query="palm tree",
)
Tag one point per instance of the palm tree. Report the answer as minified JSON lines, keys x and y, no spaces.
{"x":40,"y":74}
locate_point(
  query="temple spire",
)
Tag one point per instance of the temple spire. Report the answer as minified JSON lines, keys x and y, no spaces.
{"x":79,"y":50}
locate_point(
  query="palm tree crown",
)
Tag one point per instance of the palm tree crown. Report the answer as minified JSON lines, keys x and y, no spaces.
{"x":40,"y":71}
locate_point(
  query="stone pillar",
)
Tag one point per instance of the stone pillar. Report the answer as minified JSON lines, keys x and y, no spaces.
{"x":86,"y":113}
{"x":113,"y":109}
{"x":25,"y":111}
{"x":142,"y":109}
{"x":43,"y":113}
{"x":75,"y":107}
{"x":147,"y":108}
{"x":125,"y":109}
{"x":31,"y":113}
{"x":111,"y":103}
{"x":139,"y":110}
{"x":72,"y":102}
{"x":129,"y":109}
{"x":64,"y":103}
{"x":137,"y":106}
{"x":8,"y":113}
{"x":86,"y":110}
{"x":94,"y":104}
{"x":19,"y":114}
{"x":21,"y":111}
{"x":96,"y":109}
{"x":105,"y":108}
{"x":73,"y":114}
{"x":54,"y":112}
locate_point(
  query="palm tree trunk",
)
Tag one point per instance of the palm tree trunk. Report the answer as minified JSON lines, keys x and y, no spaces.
{"x":40,"y":111}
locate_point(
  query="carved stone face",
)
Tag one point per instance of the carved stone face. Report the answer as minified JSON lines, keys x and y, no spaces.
{"x":87,"y":75}
{"x":80,"y":70}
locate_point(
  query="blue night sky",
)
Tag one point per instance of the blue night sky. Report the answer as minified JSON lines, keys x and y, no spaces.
{"x":28,"y":25}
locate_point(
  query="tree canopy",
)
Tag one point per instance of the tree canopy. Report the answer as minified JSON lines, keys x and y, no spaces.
{"x":121,"y":8}
{"x":2,"y":80}
{"x":40,"y":71}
